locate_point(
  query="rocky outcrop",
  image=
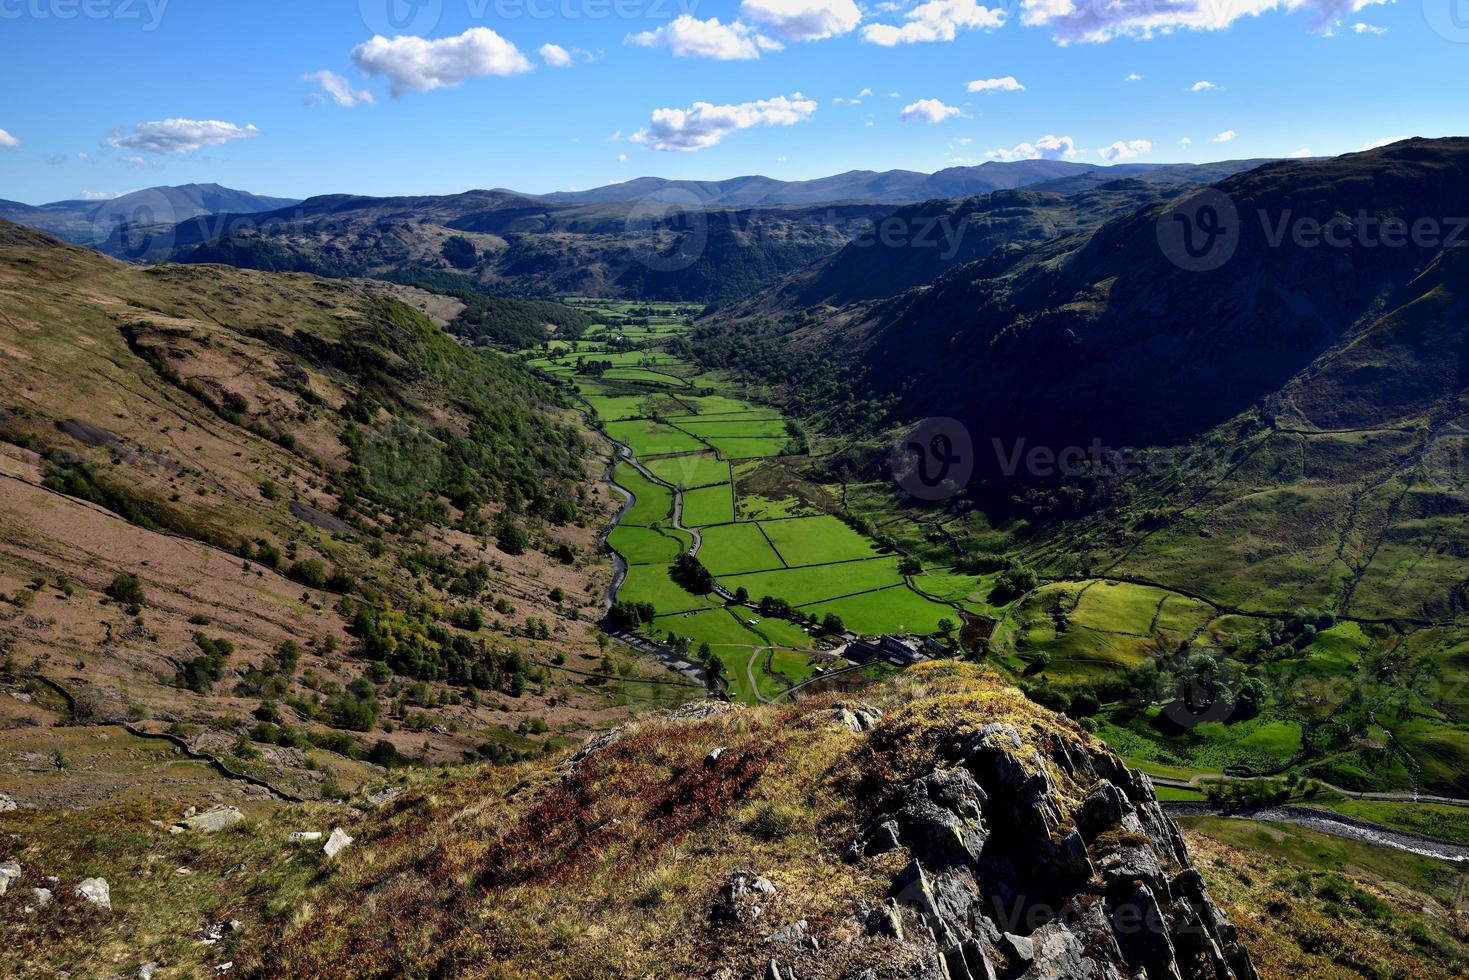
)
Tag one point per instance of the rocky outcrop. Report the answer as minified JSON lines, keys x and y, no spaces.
{"x":1044,"y":860}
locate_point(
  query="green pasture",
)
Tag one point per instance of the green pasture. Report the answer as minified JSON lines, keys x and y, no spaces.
{"x":817,"y":540}
{"x":699,"y":470}
{"x":730,"y":549}
{"x":802,"y":586}
{"x":708,"y":505}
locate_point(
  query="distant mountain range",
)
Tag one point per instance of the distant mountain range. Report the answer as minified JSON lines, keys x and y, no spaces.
{"x":597,"y":242}
{"x":898,"y":186}
{"x":92,"y":222}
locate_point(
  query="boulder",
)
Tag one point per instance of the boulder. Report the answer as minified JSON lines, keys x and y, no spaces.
{"x":9,"y":872}
{"x":211,"y":821}
{"x":938,"y":817}
{"x":858,"y":716}
{"x":96,"y":891}
{"x":786,"y":935}
{"x":384,"y":796}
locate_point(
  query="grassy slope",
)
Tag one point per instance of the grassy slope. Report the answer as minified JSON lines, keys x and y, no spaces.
{"x":218,"y":399}
{"x":518,"y":871}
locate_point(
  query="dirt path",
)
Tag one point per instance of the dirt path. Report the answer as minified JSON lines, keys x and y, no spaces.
{"x":1327,"y":822}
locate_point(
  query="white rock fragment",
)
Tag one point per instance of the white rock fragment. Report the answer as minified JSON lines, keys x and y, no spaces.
{"x":337,"y":842}
{"x":9,"y":872}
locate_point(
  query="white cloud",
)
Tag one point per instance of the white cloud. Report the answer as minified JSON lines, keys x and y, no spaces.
{"x":1302,"y":153}
{"x":167,"y":136}
{"x":928,"y":110}
{"x":1202,"y":87}
{"x":7,"y":141}
{"x":622,"y":158}
{"x":415,"y":64}
{"x":1185,"y":142}
{"x":339,"y":88}
{"x":688,"y":37}
{"x":99,"y":196}
{"x":1380,"y":143}
{"x":936,"y":20}
{"x":864,"y":93}
{"x":803,"y":20}
{"x":1133,"y":77}
{"x":1006,"y":84}
{"x":1045,"y":148}
{"x":1092,"y":21}
{"x":780,"y":159}
{"x":1361,"y":28}
{"x":1225,"y":136}
{"x":555,"y":55}
{"x":1125,"y":149}
{"x":704,"y":124}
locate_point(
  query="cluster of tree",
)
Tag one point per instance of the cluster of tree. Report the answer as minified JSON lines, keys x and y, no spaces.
{"x":508,"y":447}
{"x":459,"y":252}
{"x":593,"y":368}
{"x":1283,"y":638}
{"x":631,"y":615}
{"x":202,"y":672}
{"x":837,"y":400}
{"x":313,"y":573}
{"x":413,"y":645}
{"x":1012,"y":583}
{"x":690,"y":574}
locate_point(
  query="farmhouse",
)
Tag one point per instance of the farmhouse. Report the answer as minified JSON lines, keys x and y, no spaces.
{"x":894,"y":649}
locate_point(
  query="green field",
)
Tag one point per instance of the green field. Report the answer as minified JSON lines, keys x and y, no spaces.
{"x":612,"y":408}
{"x":654,"y":503}
{"x":740,"y":447}
{"x":649,"y":438}
{"x":735,"y":427}
{"x":700,"y":470}
{"x":651,"y":583}
{"x":731,"y":549}
{"x":817,"y":540}
{"x":647,"y":546}
{"x":801,"y":586}
{"x":708,"y":505}
{"x":894,"y":610}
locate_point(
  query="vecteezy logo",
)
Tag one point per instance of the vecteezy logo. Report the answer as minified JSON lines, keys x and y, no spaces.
{"x":933,"y":460}
{"x":392,"y":18}
{"x":1448,"y":18}
{"x":668,"y":229}
{"x":1200,"y":232}
{"x":140,"y":228}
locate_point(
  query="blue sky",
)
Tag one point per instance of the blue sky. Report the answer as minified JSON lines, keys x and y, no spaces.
{"x":107,"y":96}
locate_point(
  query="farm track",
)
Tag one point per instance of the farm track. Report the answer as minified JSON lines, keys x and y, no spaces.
{"x":1327,"y":822}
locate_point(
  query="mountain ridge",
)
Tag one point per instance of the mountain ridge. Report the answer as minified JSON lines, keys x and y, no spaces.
{"x":891,"y":186}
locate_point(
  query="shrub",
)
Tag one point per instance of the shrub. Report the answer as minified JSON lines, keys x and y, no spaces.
{"x":311,"y":573}
{"x":512,"y":540}
{"x":127,"y":590}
